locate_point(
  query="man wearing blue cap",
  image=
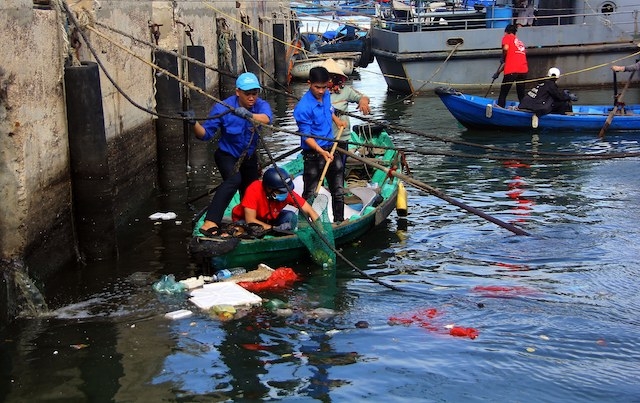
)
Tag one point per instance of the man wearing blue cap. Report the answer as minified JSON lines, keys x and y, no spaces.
{"x":236,"y":156}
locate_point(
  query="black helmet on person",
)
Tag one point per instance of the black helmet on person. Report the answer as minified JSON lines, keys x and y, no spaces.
{"x":273,"y":179}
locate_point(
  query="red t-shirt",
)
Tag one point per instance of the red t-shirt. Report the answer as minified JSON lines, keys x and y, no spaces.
{"x":516,"y":59}
{"x":267,"y":210}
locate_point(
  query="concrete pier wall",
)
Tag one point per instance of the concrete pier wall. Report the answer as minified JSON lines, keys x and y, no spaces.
{"x":36,"y":212}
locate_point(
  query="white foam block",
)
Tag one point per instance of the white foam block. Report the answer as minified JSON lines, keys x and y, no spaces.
{"x":182,"y":313}
{"x":223,"y":293}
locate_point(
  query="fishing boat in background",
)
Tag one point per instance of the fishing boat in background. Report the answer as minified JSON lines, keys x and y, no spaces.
{"x":370,"y":197}
{"x":299,"y":68}
{"x":319,"y":36}
{"x":476,"y":112}
{"x":419,"y":47}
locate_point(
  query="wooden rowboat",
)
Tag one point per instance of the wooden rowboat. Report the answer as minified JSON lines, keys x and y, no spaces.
{"x":370,"y":198}
{"x":299,"y":67}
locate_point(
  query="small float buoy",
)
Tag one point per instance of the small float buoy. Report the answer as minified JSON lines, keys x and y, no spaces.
{"x":401,"y":202}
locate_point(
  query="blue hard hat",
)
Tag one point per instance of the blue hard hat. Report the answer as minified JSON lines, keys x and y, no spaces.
{"x":273,"y":179}
{"x":247,"y":81}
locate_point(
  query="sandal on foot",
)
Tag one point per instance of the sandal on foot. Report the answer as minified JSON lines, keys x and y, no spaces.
{"x":211,"y":232}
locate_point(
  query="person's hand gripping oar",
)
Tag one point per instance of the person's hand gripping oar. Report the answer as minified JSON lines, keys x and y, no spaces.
{"x":326,"y":165}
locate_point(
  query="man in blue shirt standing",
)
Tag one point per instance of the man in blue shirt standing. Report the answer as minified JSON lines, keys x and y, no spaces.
{"x":236,"y":156}
{"x":314,"y":114}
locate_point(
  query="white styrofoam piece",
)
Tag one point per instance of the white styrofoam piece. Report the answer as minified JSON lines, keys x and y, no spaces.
{"x":223,"y":293}
{"x":179,"y":314}
{"x":170,"y":215}
{"x":193,"y":282}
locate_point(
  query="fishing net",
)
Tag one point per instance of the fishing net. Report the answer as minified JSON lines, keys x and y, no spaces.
{"x":318,"y":236}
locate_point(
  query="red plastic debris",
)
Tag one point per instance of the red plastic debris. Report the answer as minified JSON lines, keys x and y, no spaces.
{"x":464,"y":332}
{"x":500,"y":291}
{"x":515,"y":164}
{"x":393,"y":320}
{"x":424,"y":318}
{"x":254,"y":347}
{"x":282,"y":277}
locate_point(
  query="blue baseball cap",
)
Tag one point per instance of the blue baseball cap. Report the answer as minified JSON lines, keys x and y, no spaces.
{"x":247,"y":81}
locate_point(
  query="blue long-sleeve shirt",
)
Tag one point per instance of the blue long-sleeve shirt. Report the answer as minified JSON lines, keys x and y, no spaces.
{"x":314,"y":117}
{"x":237,"y":133}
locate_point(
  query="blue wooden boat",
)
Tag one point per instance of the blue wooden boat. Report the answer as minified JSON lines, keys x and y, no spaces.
{"x":371,"y":202}
{"x":476,"y":112}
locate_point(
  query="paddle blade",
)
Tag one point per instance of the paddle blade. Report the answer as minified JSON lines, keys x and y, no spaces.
{"x":318,"y":237}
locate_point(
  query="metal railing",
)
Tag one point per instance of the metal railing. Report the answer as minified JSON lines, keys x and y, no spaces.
{"x":627,"y":21}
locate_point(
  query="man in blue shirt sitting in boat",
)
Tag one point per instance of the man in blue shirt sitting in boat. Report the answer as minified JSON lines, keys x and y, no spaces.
{"x":314,"y":114}
{"x":547,"y":98}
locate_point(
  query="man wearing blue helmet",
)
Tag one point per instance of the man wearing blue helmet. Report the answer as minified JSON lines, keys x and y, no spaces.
{"x":236,"y":156}
{"x":264,"y":201}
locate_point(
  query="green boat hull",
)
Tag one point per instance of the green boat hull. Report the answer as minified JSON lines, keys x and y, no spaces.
{"x":283,"y":250}
{"x":287,"y":249}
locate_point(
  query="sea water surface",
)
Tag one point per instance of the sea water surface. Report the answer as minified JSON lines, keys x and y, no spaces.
{"x":549,"y":317}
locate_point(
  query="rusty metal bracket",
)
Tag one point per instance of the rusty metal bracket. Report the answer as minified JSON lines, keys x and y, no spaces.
{"x":155,"y":30}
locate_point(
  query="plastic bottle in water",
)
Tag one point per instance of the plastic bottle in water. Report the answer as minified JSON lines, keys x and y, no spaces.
{"x":226,"y":273}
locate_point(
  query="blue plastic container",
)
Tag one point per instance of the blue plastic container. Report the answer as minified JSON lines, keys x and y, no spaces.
{"x":499,"y":16}
{"x":484,"y":3}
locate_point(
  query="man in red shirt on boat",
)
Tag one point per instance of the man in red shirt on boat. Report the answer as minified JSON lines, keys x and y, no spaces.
{"x":264,"y":202}
{"x":514,"y":64}
{"x":546,"y":97}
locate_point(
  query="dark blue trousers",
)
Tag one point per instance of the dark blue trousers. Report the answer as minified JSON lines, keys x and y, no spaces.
{"x":234,"y":178}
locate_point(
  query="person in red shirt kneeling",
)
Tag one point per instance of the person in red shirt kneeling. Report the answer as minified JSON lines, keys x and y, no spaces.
{"x":264,"y":202}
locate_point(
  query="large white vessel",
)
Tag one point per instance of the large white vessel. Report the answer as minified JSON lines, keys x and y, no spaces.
{"x":425,"y":45}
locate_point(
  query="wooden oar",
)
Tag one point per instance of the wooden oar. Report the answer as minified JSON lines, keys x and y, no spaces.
{"x":492,"y":81}
{"x":489,"y":90}
{"x":615,"y":88}
{"x":326,"y":166}
{"x":615,"y":108}
{"x":437,"y":193}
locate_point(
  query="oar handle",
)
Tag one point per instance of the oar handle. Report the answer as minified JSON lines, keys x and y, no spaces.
{"x":326,"y":166}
